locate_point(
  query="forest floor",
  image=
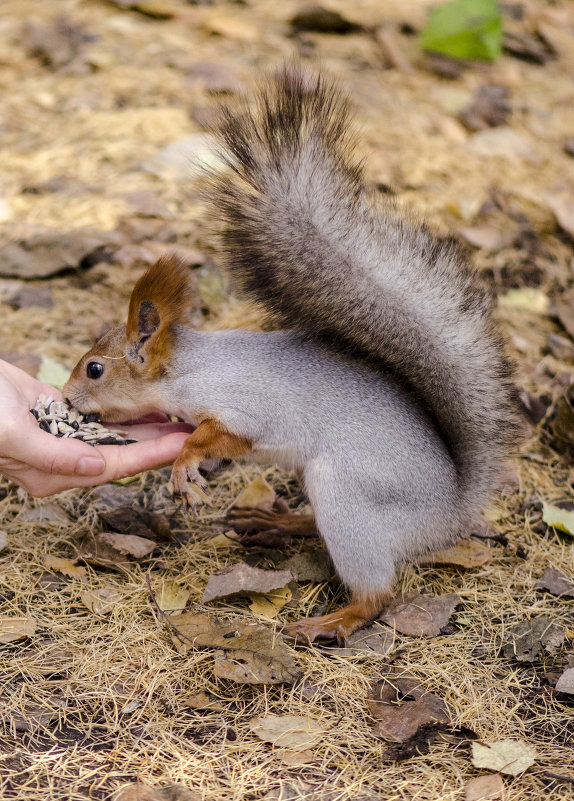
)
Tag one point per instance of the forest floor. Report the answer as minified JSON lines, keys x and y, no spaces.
{"x":100,"y":695}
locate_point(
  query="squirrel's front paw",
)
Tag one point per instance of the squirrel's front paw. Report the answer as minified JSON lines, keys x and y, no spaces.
{"x":189,"y":485}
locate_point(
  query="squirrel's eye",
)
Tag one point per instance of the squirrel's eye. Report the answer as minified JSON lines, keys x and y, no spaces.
{"x":94,"y":370}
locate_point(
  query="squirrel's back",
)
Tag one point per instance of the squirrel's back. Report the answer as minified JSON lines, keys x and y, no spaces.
{"x":303,"y":238}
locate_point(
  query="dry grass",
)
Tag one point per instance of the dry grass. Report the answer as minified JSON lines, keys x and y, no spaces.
{"x":112,"y":689}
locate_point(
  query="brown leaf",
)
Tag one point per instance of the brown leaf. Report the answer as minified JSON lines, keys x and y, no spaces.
{"x":373,"y":640}
{"x":531,"y":638}
{"x":133,"y":519}
{"x":214,"y":77}
{"x":17,"y":628}
{"x":556,"y":582}
{"x":250,"y":654}
{"x":421,"y":615}
{"x":33,"y":717}
{"x":241,"y":579}
{"x":319,"y":19}
{"x":486,"y":236}
{"x":531,"y":47}
{"x":563,"y":210}
{"x":489,"y":108}
{"x":66,"y":567}
{"x":313,"y":566}
{"x":258,"y":493}
{"x":484,"y":788}
{"x":507,"y":756}
{"x":172,"y":597}
{"x":143,"y":792}
{"x":465,"y":553}
{"x":46,"y":513}
{"x":397,"y":721}
{"x":128,"y":544}
{"x":28,"y":296}
{"x":203,"y":701}
{"x":565,"y":683}
{"x":101,"y":601}
{"x":295,"y":732}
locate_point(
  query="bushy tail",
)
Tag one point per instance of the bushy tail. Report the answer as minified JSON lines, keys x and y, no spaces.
{"x":302,"y":237}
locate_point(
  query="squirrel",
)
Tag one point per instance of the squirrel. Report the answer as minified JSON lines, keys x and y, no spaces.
{"x":386,"y":386}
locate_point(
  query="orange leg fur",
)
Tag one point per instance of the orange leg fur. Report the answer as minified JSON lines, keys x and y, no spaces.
{"x":338,"y":625}
{"x":210,"y":440}
{"x":274,"y":528}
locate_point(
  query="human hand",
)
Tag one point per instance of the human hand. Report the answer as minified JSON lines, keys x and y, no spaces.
{"x":44,"y":464}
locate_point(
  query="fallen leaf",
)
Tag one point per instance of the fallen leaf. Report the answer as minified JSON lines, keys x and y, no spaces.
{"x":214,"y":77}
{"x":484,"y":788}
{"x":241,"y":579}
{"x":102,"y":601}
{"x":530,"y":47}
{"x":172,"y":597}
{"x":17,"y":628}
{"x":563,"y":210}
{"x":486,"y":236}
{"x":3,"y":539}
{"x":144,"y":792}
{"x":295,"y":732}
{"x":295,"y":759}
{"x":556,"y":582}
{"x":46,"y":253}
{"x":258,"y":493}
{"x":465,"y":553}
{"x":489,"y":108}
{"x":526,"y":299}
{"x":128,"y":544}
{"x":45,"y":513}
{"x":319,"y":19}
{"x":66,"y":567}
{"x":399,"y":719}
{"x":28,"y":296}
{"x":270,"y":604}
{"x":113,"y":496}
{"x":374,"y":640}
{"x":203,"y":701}
{"x":565,"y":683}
{"x":466,"y":29}
{"x":529,"y":639}
{"x":134,"y":519}
{"x":250,"y":654}
{"x":224,"y":539}
{"x":33,"y":717}
{"x":230,"y":25}
{"x":421,"y":615}
{"x":558,"y":518}
{"x":505,"y":756}
{"x":313,"y":566}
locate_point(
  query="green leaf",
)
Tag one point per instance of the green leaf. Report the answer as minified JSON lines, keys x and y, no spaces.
{"x":465,"y":29}
{"x":558,"y":518}
{"x":51,"y":372}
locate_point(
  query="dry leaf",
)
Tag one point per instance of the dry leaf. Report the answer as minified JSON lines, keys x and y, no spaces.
{"x":172,"y":597}
{"x":241,"y":579}
{"x":16,"y":628}
{"x":421,"y":615}
{"x":295,"y":759}
{"x":529,"y":639}
{"x":563,"y":210}
{"x":465,"y":553}
{"x":66,"y":567}
{"x":374,"y":640}
{"x":399,"y":721}
{"x":565,"y":683}
{"x":3,"y":539}
{"x":102,"y":601}
{"x":128,"y":544}
{"x":556,"y":582}
{"x":505,"y":756}
{"x":133,"y":519}
{"x":230,"y":25}
{"x":249,"y":654}
{"x":313,"y":566}
{"x":484,"y":788}
{"x":143,"y":792}
{"x":46,"y":513}
{"x":224,"y":539}
{"x":558,"y":518}
{"x":258,"y":493}
{"x":33,"y":717}
{"x":271,"y":604}
{"x":204,"y":701}
{"x":295,"y":732}
{"x":486,"y":236}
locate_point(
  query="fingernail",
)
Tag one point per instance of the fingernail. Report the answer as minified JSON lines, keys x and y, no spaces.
{"x":90,"y":466}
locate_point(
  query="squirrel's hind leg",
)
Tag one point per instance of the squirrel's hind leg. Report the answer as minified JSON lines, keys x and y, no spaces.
{"x":273,"y":528}
{"x":341,"y":624}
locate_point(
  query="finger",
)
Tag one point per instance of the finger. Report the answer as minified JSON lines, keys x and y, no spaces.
{"x":54,"y":455}
{"x":127,"y":460}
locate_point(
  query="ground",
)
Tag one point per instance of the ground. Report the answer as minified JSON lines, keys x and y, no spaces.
{"x":96,"y":700}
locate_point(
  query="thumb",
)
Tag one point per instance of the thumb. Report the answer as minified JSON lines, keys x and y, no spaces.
{"x":56,"y":455}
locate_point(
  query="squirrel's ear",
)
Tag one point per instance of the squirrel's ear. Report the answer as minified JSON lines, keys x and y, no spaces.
{"x":162,"y":297}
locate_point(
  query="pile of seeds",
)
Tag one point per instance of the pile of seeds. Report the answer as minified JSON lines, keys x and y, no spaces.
{"x":61,"y":420}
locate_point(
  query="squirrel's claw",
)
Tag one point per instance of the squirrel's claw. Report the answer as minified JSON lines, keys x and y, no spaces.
{"x":190,"y":486}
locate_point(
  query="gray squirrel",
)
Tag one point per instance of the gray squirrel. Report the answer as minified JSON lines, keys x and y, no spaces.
{"x":386,"y":388}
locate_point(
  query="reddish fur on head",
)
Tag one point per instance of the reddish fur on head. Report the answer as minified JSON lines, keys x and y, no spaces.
{"x":162,"y":297}
{"x":134,"y":358}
